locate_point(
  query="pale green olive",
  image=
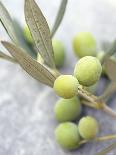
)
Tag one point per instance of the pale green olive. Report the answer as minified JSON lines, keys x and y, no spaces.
{"x":59,"y":52}
{"x":88,"y":127}
{"x":88,"y":70}
{"x":84,"y":44}
{"x":67,"y":109}
{"x":66,"y":86}
{"x":27,"y":34}
{"x":67,"y":135}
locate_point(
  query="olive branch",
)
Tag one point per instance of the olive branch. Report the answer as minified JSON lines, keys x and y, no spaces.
{"x":46,"y":72}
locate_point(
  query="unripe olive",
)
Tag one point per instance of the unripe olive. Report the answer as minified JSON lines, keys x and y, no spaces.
{"x":84,"y":44}
{"x":66,"y":86}
{"x":67,"y":135}
{"x":39,"y":58}
{"x":100,"y":55}
{"x":67,"y":109}
{"x":59,"y":52}
{"x":88,"y":70}
{"x":27,"y":34}
{"x":88,"y":127}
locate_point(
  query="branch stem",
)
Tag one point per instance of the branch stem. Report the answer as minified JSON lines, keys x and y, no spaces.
{"x":99,"y":139}
{"x":92,"y":101}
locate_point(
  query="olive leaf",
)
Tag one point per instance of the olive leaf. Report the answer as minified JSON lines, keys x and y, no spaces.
{"x":7,"y":57}
{"x":107,"y":149}
{"x":7,"y":23}
{"x":40,"y":31}
{"x":105,"y":45}
{"x":59,"y":16}
{"x":110,"y":52}
{"x":32,"y":67}
{"x":110,"y":67}
{"x":110,"y":89}
{"x":22,"y":41}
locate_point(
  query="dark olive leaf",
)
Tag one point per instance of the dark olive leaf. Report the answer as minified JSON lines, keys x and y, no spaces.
{"x":110,"y":51}
{"x":32,"y":67}
{"x":107,"y":149}
{"x":110,"y":89}
{"x":110,"y":67}
{"x":59,"y":16}
{"x":22,"y":42}
{"x":7,"y":23}
{"x":105,"y":45}
{"x":7,"y":57}
{"x":40,"y":31}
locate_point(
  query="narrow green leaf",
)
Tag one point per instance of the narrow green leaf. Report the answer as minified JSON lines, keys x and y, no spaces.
{"x":7,"y":23}
{"x":40,"y":31}
{"x":59,"y":16}
{"x":110,"y":89}
{"x":32,"y":67}
{"x":110,"y":67}
{"x":110,"y":51}
{"x":22,"y":41}
{"x":7,"y":57}
{"x":105,"y":45}
{"x":107,"y":149}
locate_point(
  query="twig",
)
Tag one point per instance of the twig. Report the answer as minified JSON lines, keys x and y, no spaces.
{"x":93,"y":102}
{"x":99,"y":139}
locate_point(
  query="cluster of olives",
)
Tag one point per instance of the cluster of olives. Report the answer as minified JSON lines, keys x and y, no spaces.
{"x":86,"y":73}
{"x":71,"y":131}
{"x":68,"y":134}
{"x":68,"y":109}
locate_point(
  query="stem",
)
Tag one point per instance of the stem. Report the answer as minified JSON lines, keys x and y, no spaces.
{"x":94,"y":103}
{"x":95,"y":106}
{"x":109,"y":110}
{"x":99,"y":139}
{"x":107,"y":149}
{"x":87,"y":95}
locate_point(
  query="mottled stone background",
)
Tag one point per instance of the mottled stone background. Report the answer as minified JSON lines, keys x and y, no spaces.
{"x":26,"y":107}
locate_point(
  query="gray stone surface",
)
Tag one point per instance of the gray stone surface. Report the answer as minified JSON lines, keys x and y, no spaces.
{"x":27,"y":120}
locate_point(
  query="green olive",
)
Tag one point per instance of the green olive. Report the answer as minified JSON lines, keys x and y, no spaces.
{"x":100,"y":55}
{"x":84,"y":44}
{"x":67,"y":109}
{"x":59,"y":52}
{"x":40,"y":59}
{"x":66,"y":86}
{"x":88,"y":70}
{"x":88,"y":127}
{"x":27,"y":34}
{"x":67,"y":135}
